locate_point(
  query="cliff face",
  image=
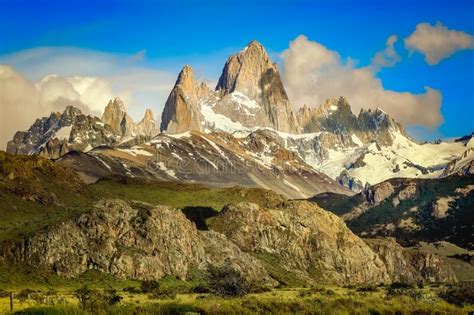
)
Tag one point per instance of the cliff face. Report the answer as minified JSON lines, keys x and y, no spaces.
{"x":410,"y":266}
{"x":115,"y":115}
{"x":251,"y":73}
{"x":182,"y":111}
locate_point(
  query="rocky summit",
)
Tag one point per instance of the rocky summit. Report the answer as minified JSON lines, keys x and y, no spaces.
{"x":60,"y":133}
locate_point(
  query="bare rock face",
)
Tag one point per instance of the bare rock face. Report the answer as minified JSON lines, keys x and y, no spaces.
{"x":60,"y":133}
{"x":303,"y":238}
{"x":411,"y":266}
{"x":182,"y":111}
{"x":378,"y":193}
{"x":148,"y":126}
{"x":252,"y":74}
{"x":116,"y":116}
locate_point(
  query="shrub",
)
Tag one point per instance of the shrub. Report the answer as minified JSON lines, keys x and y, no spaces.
{"x":149,"y":286}
{"x":93,"y":300}
{"x":201,"y":288}
{"x":164,"y":293}
{"x":225,"y":281}
{"x":461,"y":294}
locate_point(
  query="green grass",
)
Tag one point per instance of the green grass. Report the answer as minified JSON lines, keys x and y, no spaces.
{"x":295,"y":301}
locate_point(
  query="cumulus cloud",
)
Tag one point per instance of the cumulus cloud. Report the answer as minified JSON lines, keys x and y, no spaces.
{"x":23,"y":101}
{"x":128,"y":76}
{"x":38,"y":81}
{"x":437,"y":42}
{"x":312,"y":73}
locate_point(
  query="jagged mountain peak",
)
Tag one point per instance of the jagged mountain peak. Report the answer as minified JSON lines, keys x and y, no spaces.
{"x":148,"y":115}
{"x":116,"y":116}
{"x":186,"y":77}
{"x":182,"y":111}
{"x":115,"y":104}
{"x":71,"y":111}
{"x":244,"y":71}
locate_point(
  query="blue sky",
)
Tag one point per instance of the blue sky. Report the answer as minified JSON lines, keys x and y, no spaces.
{"x":204,"y":33}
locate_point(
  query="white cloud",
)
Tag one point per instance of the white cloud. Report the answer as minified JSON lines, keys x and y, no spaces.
{"x":96,"y":75}
{"x":23,"y":101}
{"x":387,"y":57}
{"x":437,"y":42}
{"x":313,"y":73}
{"x":37,"y":81}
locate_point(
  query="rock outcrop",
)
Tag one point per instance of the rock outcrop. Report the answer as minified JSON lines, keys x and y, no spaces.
{"x":409,"y":265}
{"x":304,"y":239}
{"x":135,"y":241}
{"x":182,"y":111}
{"x":378,"y":193}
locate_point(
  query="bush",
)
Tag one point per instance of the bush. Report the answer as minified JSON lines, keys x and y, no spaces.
{"x":409,"y":291}
{"x":164,"y":293}
{"x":461,"y":294}
{"x":201,"y":288}
{"x":93,"y":300}
{"x":225,"y":281}
{"x":149,"y":286}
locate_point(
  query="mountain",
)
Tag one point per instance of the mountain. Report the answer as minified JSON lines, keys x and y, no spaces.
{"x":249,"y":103}
{"x":336,"y":116}
{"x":182,"y":111}
{"x":411,"y":210}
{"x":116,"y":116}
{"x":249,"y":94}
{"x":122,"y":124}
{"x":217,"y":159}
{"x":148,"y":126}
{"x":58,"y":134}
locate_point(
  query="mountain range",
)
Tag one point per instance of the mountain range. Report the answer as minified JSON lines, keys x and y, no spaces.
{"x":107,"y":182}
{"x":245,"y":132}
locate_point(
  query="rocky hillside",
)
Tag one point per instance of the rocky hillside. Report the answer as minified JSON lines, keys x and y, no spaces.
{"x":134,"y":240}
{"x":216,"y":159}
{"x":410,"y":210}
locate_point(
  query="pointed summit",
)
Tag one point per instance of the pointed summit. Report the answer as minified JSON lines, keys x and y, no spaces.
{"x":148,"y":125}
{"x":252,"y":73}
{"x":243,"y":71}
{"x":186,"y":78}
{"x":182,"y":111}
{"x":116,"y":116}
